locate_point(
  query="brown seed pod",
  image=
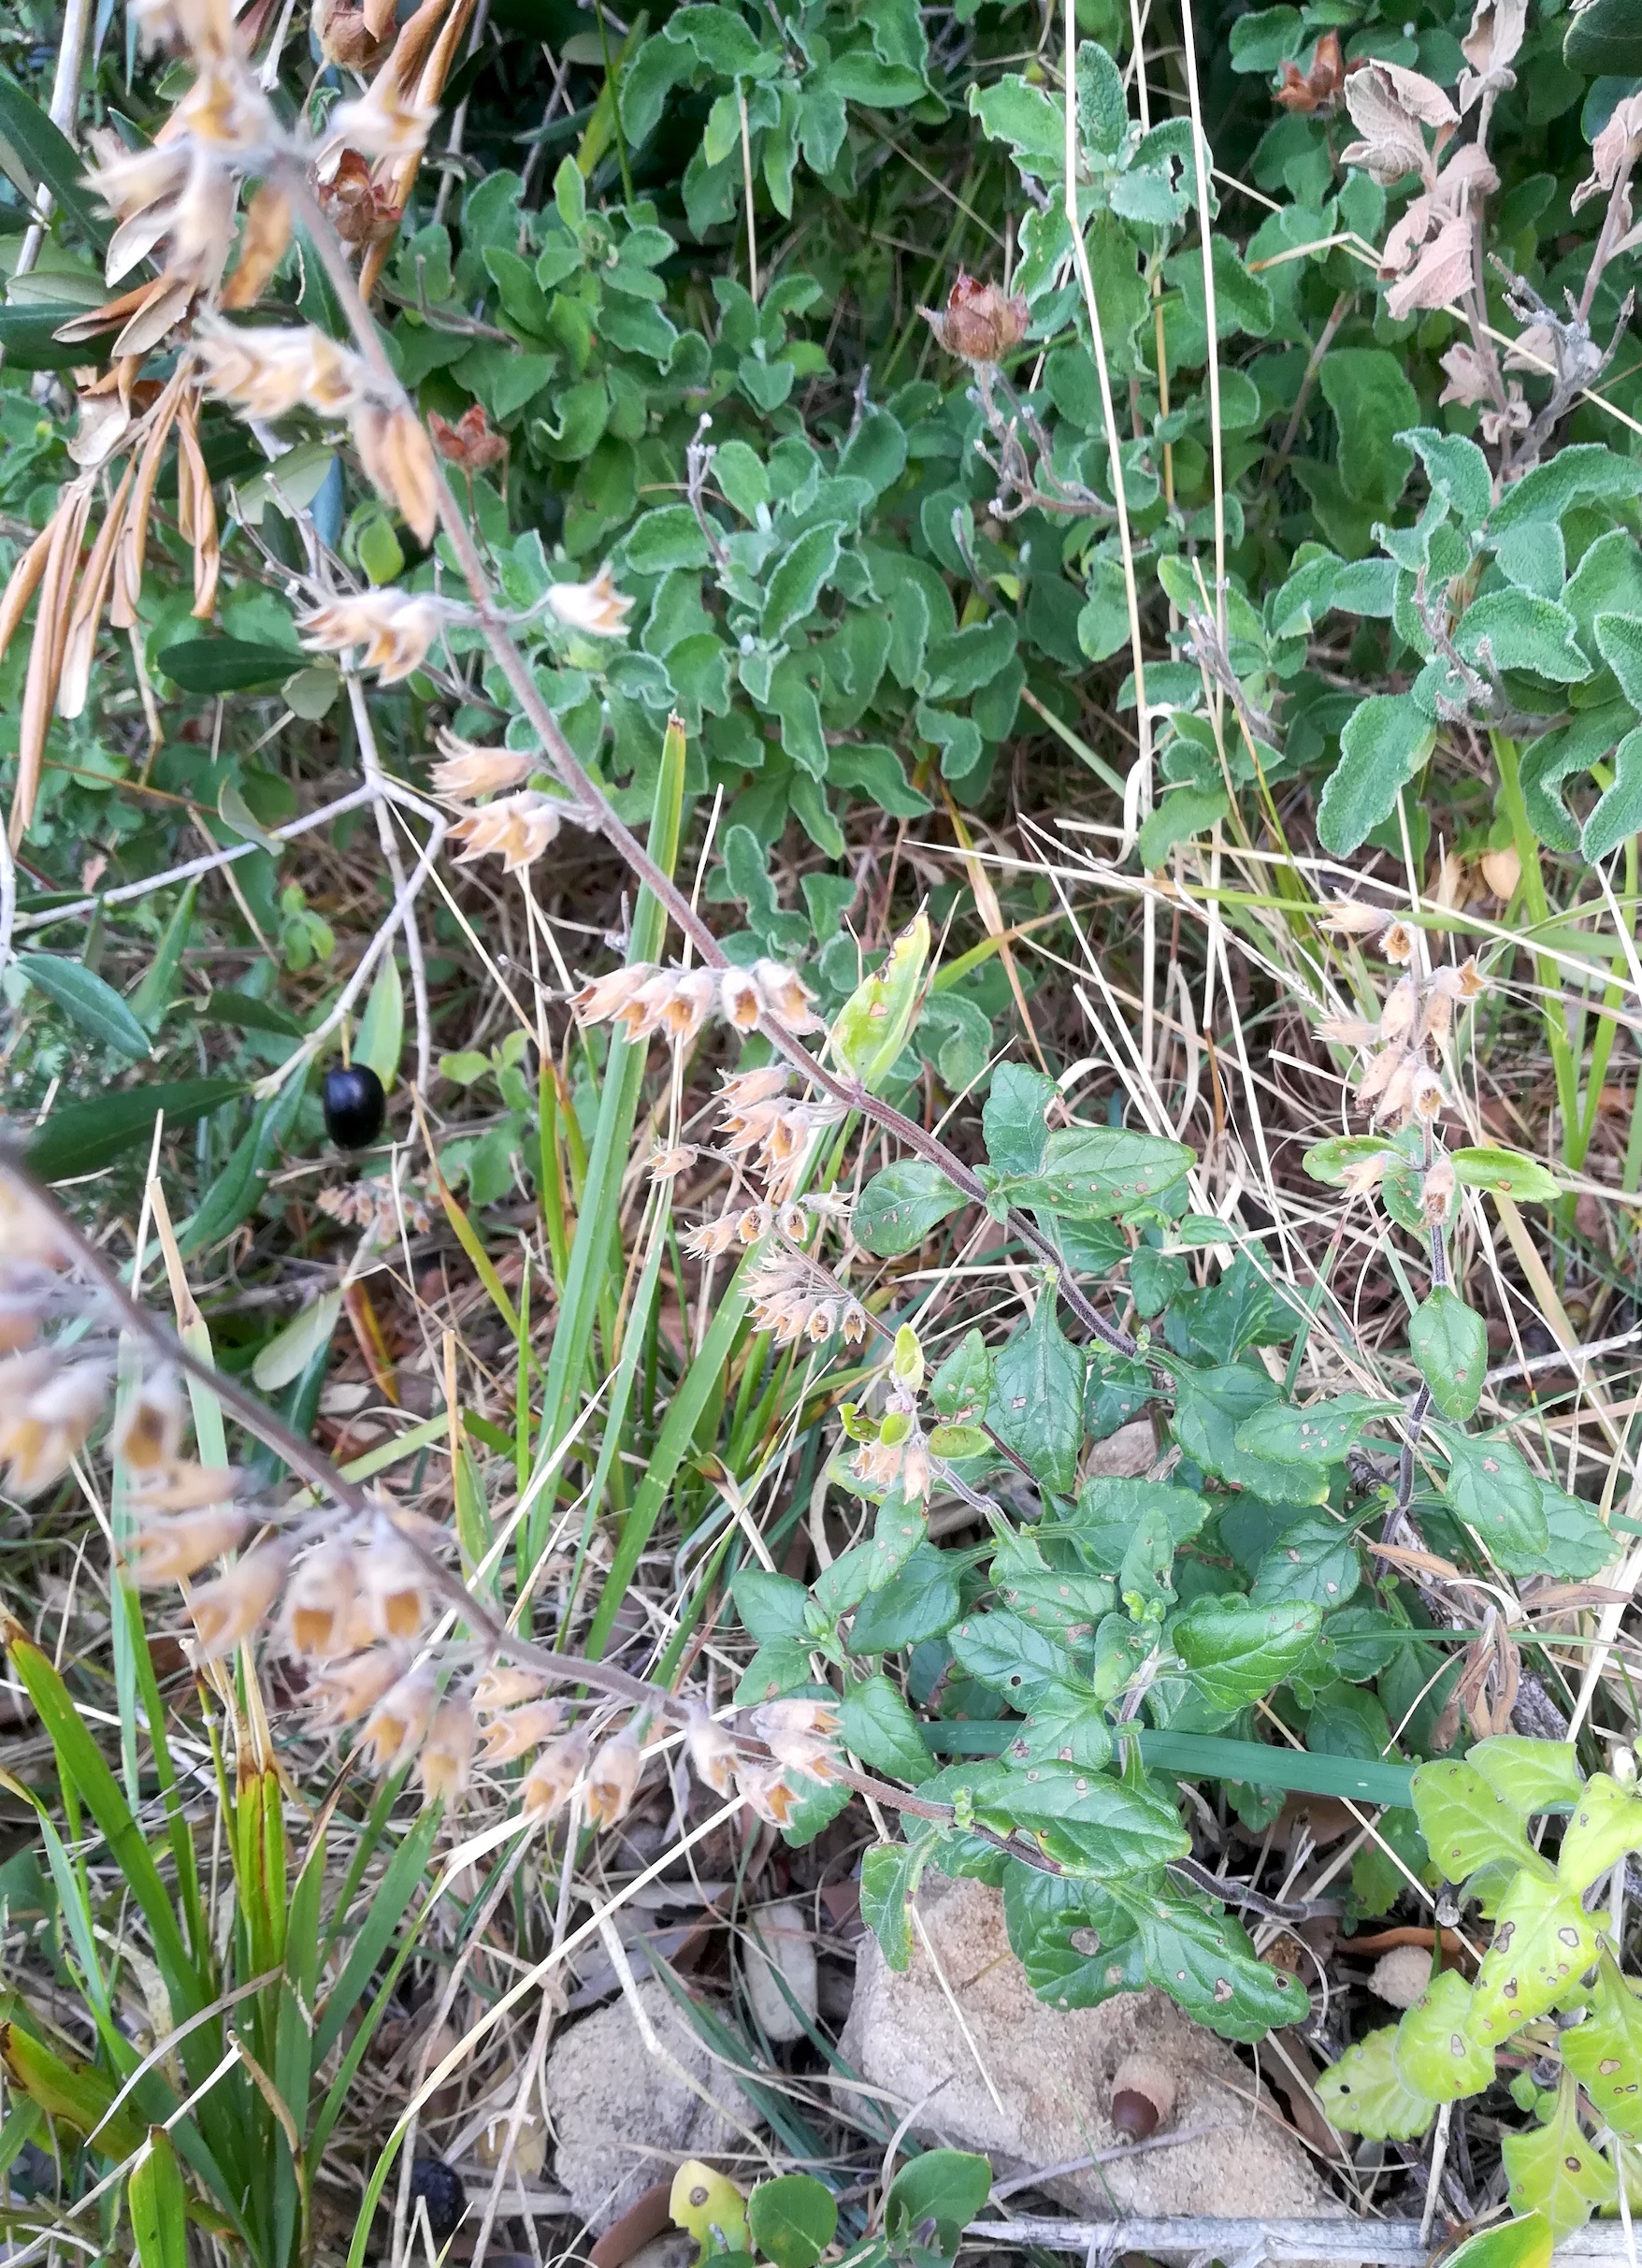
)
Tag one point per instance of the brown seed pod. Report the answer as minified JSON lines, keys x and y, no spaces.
{"x":1143,"y":2096}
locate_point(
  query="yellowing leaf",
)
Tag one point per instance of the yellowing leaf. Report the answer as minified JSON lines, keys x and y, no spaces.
{"x":710,"y":2207}
{"x":1608,"y":1823}
{"x":1543,"y":1938}
{"x":871,"y":1027}
{"x":1604,"y":2053}
{"x":1435,"y":2053}
{"x":1553,"y":2170}
{"x":1365,"y":2093}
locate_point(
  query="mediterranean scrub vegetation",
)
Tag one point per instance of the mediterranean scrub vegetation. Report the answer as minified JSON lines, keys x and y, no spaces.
{"x":822,"y":1076}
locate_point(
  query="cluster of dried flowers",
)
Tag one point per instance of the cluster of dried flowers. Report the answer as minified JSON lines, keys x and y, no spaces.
{"x":644,"y":999}
{"x":377,"y":1207}
{"x":1402,"y":1083}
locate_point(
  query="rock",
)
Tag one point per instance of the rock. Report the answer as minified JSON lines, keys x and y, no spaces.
{"x":781,"y":1950}
{"x":1052,"y":2071}
{"x":623,"y":2119}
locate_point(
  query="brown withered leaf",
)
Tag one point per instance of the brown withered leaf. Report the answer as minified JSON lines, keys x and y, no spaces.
{"x":74,"y":679}
{"x":262,"y":247}
{"x":39,"y":692}
{"x":1318,"y":89}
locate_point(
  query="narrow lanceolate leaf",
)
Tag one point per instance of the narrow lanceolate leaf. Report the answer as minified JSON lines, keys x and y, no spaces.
{"x":157,"y":2202}
{"x":1449,"y":1342}
{"x":87,"y":1001}
{"x":899,"y":1206}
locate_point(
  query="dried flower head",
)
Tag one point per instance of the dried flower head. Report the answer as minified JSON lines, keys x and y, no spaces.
{"x":392,"y":1586}
{"x":516,"y":829}
{"x":551,"y":1781}
{"x":518,"y":1731}
{"x":667,"y":1165}
{"x":447,"y":1753}
{"x":228,"y":1610}
{"x":47,"y":1411}
{"x":397,"y":1724}
{"x":1437,"y":1191}
{"x":741,"y":1090}
{"x":712,"y":1752}
{"x":739,"y":1001}
{"x":608,"y":996}
{"x":148,"y":1431}
{"x":382,"y":122}
{"x":613,"y":1778}
{"x":713,"y":1237}
{"x":784,"y":995}
{"x":349,"y":1688}
{"x":397,"y":629}
{"x":318,"y":1612}
{"x":468,"y":771}
{"x":399,"y":463}
{"x":173,"y":1548}
{"x":503,"y":1686}
{"x":471,"y":444}
{"x":184,"y":1487}
{"x":596,"y":609}
{"x":1397,"y":944}
{"x":1350,"y":917}
{"x":764,"y":1788}
{"x":1319,"y":88}
{"x":360,"y":210}
{"x":979,"y":323}
{"x":799,"y":1734}
{"x":347,"y":34}
{"x":272,"y":369}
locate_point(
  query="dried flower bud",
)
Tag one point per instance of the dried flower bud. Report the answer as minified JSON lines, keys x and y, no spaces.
{"x":765,"y":1789}
{"x":382,"y":122}
{"x":979,"y":322}
{"x":269,"y":370}
{"x":1436,"y":1196}
{"x":319,"y":1603}
{"x":345,"y":35}
{"x":349,"y":1688}
{"x":180,"y":1546}
{"x":712,"y":1752}
{"x":667,"y":1164}
{"x":227,"y":1612}
{"x":516,"y":829}
{"x":397,"y":629}
{"x":262,"y":247}
{"x":1348,"y":917}
{"x":360,"y":210}
{"x":741,"y":1007}
{"x":712,"y":1237}
{"x":520,"y":1730}
{"x":502,"y":1685}
{"x":399,"y":463}
{"x":27,"y":1230}
{"x":1466,"y":982}
{"x":471,"y":443}
{"x":596,"y":609}
{"x":148,"y":1431}
{"x":468,"y":771}
{"x":395,"y":1727}
{"x":783,"y":994}
{"x":548,"y":1786}
{"x":187,"y":1488}
{"x":613,"y":1778}
{"x":1143,"y":2096}
{"x":1427,"y":1096}
{"x":1397,"y":944}
{"x":447,"y":1753}
{"x":799,"y":1735}
{"x":607,"y":996}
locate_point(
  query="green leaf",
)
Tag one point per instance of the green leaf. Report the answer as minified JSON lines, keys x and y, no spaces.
{"x":1457,"y":471}
{"x":1466,"y":1822}
{"x":1604,"y":2052}
{"x":960,"y":1389}
{"x":1011,"y":1654}
{"x":87,"y":1001}
{"x":1435,"y":2053}
{"x":796,"y":580}
{"x":228,"y":665}
{"x":1315,"y":1559}
{"x":1236,"y":1652}
{"x":890,"y":1874}
{"x":1513,"y":630}
{"x":1110,"y":1509}
{"x":771,"y":1606}
{"x":1066,"y":1725}
{"x":1013,"y":1119}
{"x":245,"y":1012}
{"x":1384,"y":742}
{"x":1509,"y":2244}
{"x":1365,"y":2093}
{"x":882,"y":1730}
{"x":1531,"y":1775}
{"x":1543,"y":1938}
{"x":1330,"y":1162}
{"x":381,"y":1028}
{"x":1076,"y":1943}
{"x":1206,"y":1963}
{"x":1554,"y":2170}
{"x":153,"y":995}
{"x":871,"y":1029}
{"x":921,"y":1601}
{"x":1052,"y":1599}
{"x":1036,"y":1403}
{"x":1209,"y":1407}
{"x":1449,"y":1342}
{"x":1027,"y":118}
{"x":1616,"y":813}
{"x":1373,"y":400}
{"x":793,"y":2220}
{"x":1266,"y":39}
{"x":28,"y":335}
{"x":1507,"y":1174}
{"x":1603,"y":40}
{"x":1318,"y":1434}
{"x":157,"y":2202}
{"x":291,"y":1350}
{"x":49,"y":159}
{"x":1492,"y":1489}
{"x":1606,"y":1824}
{"x":1102,"y":107}
{"x":947,"y":2186}
{"x":86,"y":1137}
{"x":1092,"y":1172}
{"x":1183,"y":813}
{"x":899,"y":1206}
{"x":1579,"y":473}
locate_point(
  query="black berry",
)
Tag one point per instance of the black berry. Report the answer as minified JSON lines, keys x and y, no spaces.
{"x":431,"y":2179}
{"x":354,"y":1106}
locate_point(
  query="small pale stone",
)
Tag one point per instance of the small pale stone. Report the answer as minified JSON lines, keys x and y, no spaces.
{"x":780,"y":1949}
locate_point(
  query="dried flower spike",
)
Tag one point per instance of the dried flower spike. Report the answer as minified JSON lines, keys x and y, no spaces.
{"x":228,"y":1610}
{"x":468,"y":771}
{"x":397,"y":629}
{"x":596,"y":609}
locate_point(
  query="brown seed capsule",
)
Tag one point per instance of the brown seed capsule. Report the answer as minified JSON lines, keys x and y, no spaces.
{"x":979,"y":322}
{"x":1143,"y":2096}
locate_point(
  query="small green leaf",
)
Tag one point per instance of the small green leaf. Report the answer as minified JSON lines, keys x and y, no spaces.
{"x":899,"y":1206}
{"x":1491,"y":1487}
{"x":1319,"y":1435}
{"x":1436,"y":2055}
{"x":890,"y":1874}
{"x":797,"y":579}
{"x":1531,"y":1775}
{"x":381,"y":1028}
{"x":959,"y":1390}
{"x":1365,"y":2093}
{"x":1554,"y":2170}
{"x":1385,"y":742}
{"x":1091,"y":1172}
{"x":1036,"y":1403}
{"x":1330,"y":1162}
{"x":1466,"y":1823}
{"x":1206,"y":1963}
{"x":228,"y":665}
{"x":288,"y":1354}
{"x":793,"y":2220}
{"x":1604,"y":2052}
{"x":1315,"y":1559}
{"x":1606,"y":1824}
{"x":1449,"y":1342}
{"x":921,"y":1601}
{"x":947,"y":2186}
{"x":1011,"y":1654}
{"x":1509,"y":2244}
{"x":1543,"y":1938}
{"x":87,"y":1001}
{"x":1236,"y":1652}
{"x":1507,"y":1174}
{"x":882,"y":1730}
{"x":771,"y":1606}
{"x":871,"y":1028}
